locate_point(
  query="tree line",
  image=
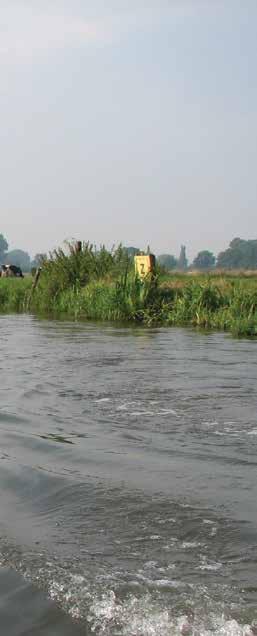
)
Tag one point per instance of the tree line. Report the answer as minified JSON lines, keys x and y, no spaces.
{"x":241,"y":254}
{"x":18,"y":257}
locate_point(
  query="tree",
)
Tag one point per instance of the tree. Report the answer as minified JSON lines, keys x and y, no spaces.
{"x":240,"y":254}
{"x":204,"y":260}
{"x":38,"y":260}
{"x":132,"y":251}
{"x":182,"y":261}
{"x":20,"y":259}
{"x":168,"y":261}
{"x":3,"y":248}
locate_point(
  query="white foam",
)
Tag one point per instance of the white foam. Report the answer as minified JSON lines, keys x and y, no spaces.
{"x":187,"y":545}
{"x":210,"y":423}
{"x":109,"y":615}
{"x":142,"y":617}
{"x":150,"y":564}
{"x":210,"y":565}
{"x":164,"y":521}
{"x":138,"y":413}
{"x":135,"y":614}
{"x":167,"y":412}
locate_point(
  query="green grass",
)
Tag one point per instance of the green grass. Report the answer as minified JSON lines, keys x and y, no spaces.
{"x":101,"y":285}
{"x":13,"y":294}
{"x":104,"y":299}
{"x":230,"y":306}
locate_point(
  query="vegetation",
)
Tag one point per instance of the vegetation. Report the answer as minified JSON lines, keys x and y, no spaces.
{"x":101,"y":285}
{"x":168,"y":261}
{"x":240,"y":255}
{"x":13,"y":294}
{"x":3,"y":248}
{"x":19,"y":258}
{"x":218,"y":302}
{"x":182,"y":259}
{"x":132,"y":251}
{"x":204,"y":260}
{"x":105,"y":287}
{"x":95,"y":284}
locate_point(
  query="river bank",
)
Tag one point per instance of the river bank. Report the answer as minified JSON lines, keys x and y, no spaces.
{"x":210,"y":302}
{"x":92,"y":284}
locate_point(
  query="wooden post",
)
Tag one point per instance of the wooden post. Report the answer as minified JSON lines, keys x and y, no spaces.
{"x":78,"y":246}
{"x":34,"y":284}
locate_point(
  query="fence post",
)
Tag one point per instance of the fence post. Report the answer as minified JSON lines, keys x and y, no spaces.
{"x":78,"y":246}
{"x":34,"y":284}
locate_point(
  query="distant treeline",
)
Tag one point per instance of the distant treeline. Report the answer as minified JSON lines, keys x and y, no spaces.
{"x":18,"y":257}
{"x":241,"y":254}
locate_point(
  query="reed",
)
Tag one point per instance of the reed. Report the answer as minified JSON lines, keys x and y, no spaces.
{"x":13,"y":294}
{"x":231,"y":306}
{"x":99,"y":300}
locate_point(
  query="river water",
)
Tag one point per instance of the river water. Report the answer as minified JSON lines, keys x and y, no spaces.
{"x":128,"y":480}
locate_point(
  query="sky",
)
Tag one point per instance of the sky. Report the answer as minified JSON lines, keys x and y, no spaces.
{"x":135,"y":123}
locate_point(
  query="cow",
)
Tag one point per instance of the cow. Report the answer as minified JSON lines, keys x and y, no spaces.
{"x":11,"y":271}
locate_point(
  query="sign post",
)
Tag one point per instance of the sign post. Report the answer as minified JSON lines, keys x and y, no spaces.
{"x":144,"y":265}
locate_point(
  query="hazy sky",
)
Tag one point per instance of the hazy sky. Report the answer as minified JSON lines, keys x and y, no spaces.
{"x":136,"y":123}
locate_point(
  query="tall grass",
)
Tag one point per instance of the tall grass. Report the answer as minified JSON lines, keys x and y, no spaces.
{"x":13,"y":294}
{"x":100,"y":300}
{"x":65,"y":274}
{"x":231,"y":306}
{"x":95,"y":284}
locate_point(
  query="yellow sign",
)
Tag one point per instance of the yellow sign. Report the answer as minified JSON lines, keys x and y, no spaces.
{"x":144,"y":265}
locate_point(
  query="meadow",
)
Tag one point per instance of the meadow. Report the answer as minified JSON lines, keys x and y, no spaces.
{"x":101,"y":285}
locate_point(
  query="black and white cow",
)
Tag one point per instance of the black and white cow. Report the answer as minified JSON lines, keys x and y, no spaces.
{"x":11,"y":271}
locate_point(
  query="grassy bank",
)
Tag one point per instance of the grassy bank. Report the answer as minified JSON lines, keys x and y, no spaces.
{"x":102,"y":286}
{"x":13,"y":294}
{"x":225,"y":303}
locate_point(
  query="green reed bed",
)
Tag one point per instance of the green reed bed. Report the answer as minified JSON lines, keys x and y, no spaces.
{"x":101,"y":285}
{"x":231,"y":306}
{"x":93,"y":284}
{"x":100,"y":300}
{"x":13,"y":294}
